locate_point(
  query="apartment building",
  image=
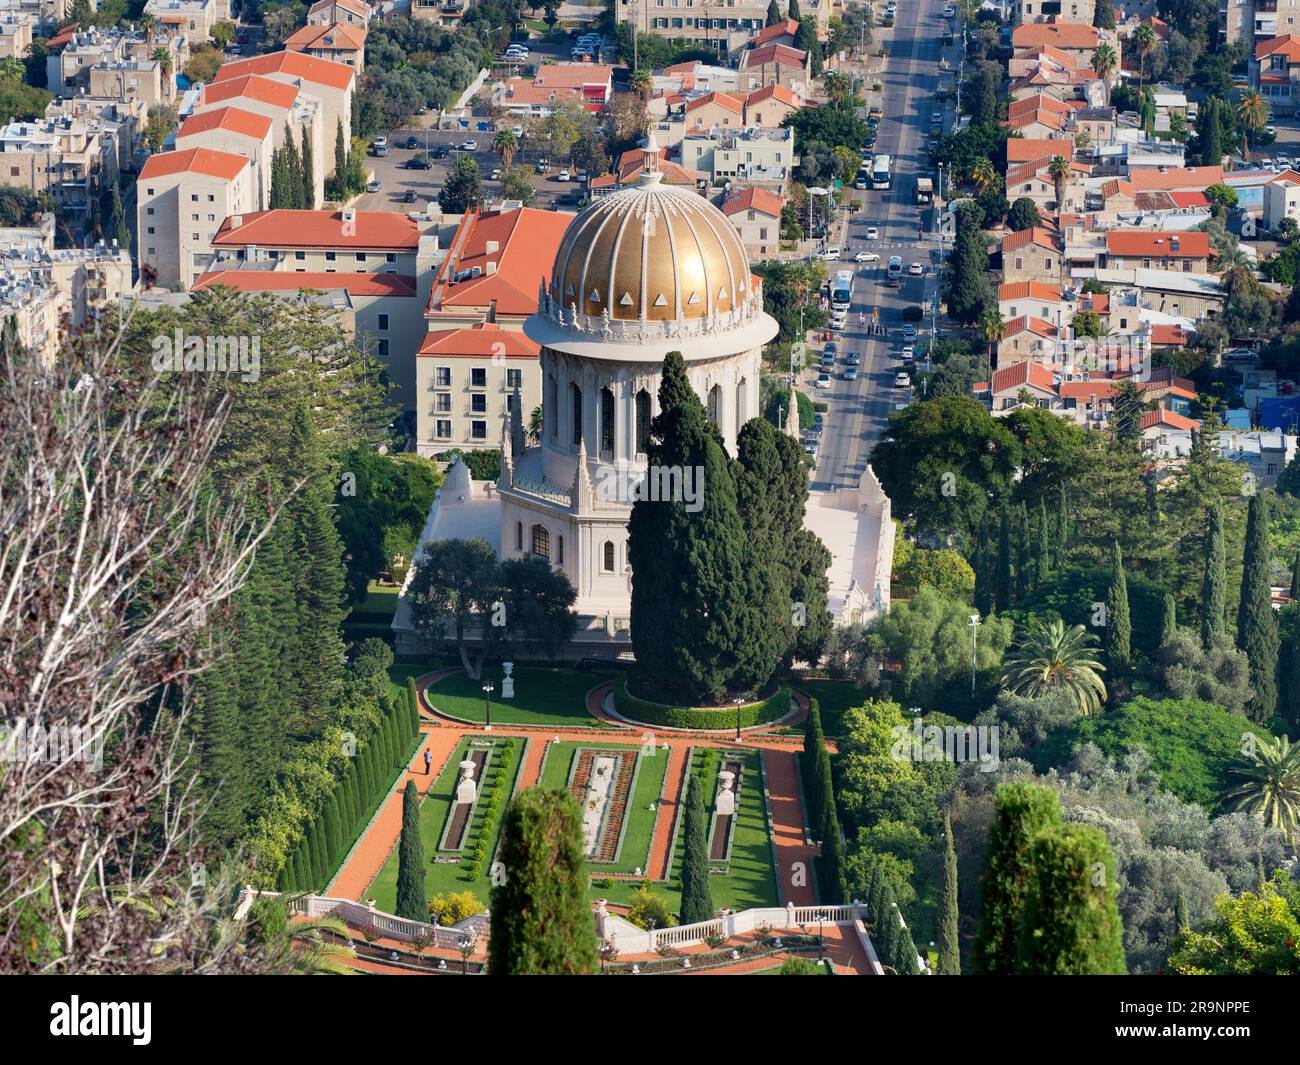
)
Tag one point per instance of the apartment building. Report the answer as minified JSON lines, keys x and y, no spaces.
{"x":332,"y":12}
{"x":714,"y":110}
{"x":184,"y":197}
{"x":1254,"y":21}
{"x":70,"y":66}
{"x":756,"y":214}
{"x":234,"y":131}
{"x":1034,"y":299}
{"x":90,"y":281}
{"x":131,"y":79}
{"x":1274,"y":71}
{"x":1076,"y":11}
{"x":1031,"y":255}
{"x":338,"y":42}
{"x":32,"y":301}
{"x":1140,"y":249}
{"x":1282,"y":200}
{"x":15,"y":35}
{"x":771,"y":105}
{"x":122,"y":122}
{"x":44,"y":14}
{"x":290,"y":109}
{"x":774,"y":64}
{"x":753,"y":155}
{"x":191,"y":19}
{"x":332,"y":83}
{"x":71,"y":159}
{"x":721,"y":25}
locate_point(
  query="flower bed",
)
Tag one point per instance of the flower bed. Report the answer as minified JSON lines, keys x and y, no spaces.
{"x":644,"y":712}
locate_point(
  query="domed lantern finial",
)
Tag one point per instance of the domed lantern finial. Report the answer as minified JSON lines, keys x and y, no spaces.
{"x":650,"y":174}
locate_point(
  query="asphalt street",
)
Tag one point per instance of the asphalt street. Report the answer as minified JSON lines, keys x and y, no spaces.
{"x":858,"y":410}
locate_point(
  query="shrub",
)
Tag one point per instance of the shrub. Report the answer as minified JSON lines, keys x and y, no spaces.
{"x":913,"y":314}
{"x":773,"y":707}
{"x":646,"y":907}
{"x":453,"y":907}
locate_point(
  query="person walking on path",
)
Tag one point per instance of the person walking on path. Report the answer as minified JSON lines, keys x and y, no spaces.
{"x":428,"y":760}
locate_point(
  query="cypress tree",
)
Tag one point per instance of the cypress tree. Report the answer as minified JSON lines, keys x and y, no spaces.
{"x":1004,"y":561}
{"x":876,"y":891}
{"x":117,"y":221}
{"x":1256,"y":625}
{"x":831,"y":879}
{"x":1169,"y":623}
{"x":1182,"y":919}
{"x":949,"y":952}
{"x":340,"y":159}
{"x":389,"y":748}
{"x":292,"y":171}
{"x":280,"y":198}
{"x":315,"y":840}
{"x":985,"y":573}
{"x":773,"y":13}
{"x":308,"y":174}
{"x":412,"y":902}
{"x":348,"y":805}
{"x":1020,"y":812}
{"x":219,"y":740}
{"x":697,"y":902}
{"x":541,"y":920}
{"x":413,"y":694}
{"x":301,"y":868}
{"x":1289,"y":668}
{"x":1295,"y":579}
{"x":333,"y":831}
{"x":814,"y":741}
{"x":1070,"y":923}
{"x":1119,"y":629}
{"x":369,"y":789}
{"x":1062,"y":524}
{"x":284,"y":879}
{"x":1214,"y":586}
{"x":900,"y":949}
{"x":793,"y":10}
{"x":887,"y":928}
{"x":1043,"y":562}
{"x":1024,"y":577}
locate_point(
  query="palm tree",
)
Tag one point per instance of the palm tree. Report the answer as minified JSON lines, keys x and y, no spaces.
{"x":1252,"y":113}
{"x":991,"y":327}
{"x":1104,"y":62}
{"x":641,"y":82}
{"x":1059,"y":169}
{"x":983,"y":176}
{"x":506,"y":144}
{"x":148,"y":25}
{"x":838,"y":86}
{"x":1236,"y":271}
{"x":535,"y":422}
{"x":1146,"y":40}
{"x":319,"y":947}
{"x":1054,"y":658}
{"x":1269,"y":784}
{"x":163,"y":57}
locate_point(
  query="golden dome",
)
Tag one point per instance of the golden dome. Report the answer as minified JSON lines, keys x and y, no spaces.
{"x":651,"y":253}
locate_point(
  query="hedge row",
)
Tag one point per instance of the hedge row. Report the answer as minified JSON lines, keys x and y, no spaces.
{"x":772,"y":708}
{"x":367,"y":779}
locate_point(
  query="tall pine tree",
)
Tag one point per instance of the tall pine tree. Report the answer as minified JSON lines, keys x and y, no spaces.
{"x":1004,"y":586}
{"x":1214,"y":584}
{"x":697,"y":902}
{"x":1256,"y":623}
{"x":308,"y":166}
{"x":1119,"y":629}
{"x":945,"y":937}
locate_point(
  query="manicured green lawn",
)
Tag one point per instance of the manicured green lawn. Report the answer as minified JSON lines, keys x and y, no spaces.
{"x":640,"y":827}
{"x":542,"y":697}
{"x":446,"y":878}
{"x":833,"y":698}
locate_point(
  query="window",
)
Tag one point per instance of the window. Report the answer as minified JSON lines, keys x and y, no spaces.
{"x":514,"y":379}
{"x":390,"y":258}
{"x":442,"y":402}
{"x":715,"y":403}
{"x":477,"y":377}
{"x":541,"y":542}
{"x":478,"y":403}
{"x":330,"y":256}
{"x":478,"y":430}
{"x":383,"y":349}
{"x":607,"y":557}
{"x":519,"y":536}
{"x":1020,"y":263}
{"x":148,"y":210}
{"x":361,"y":256}
{"x":552,"y":405}
{"x":606,"y":420}
{"x":559,"y":550}
{"x":740,"y":403}
{"x":150,"y":231}
{"x":300,"y":255}
{"x":1187,"y":266}
{"x":643,"y":422}
{"x":382,"y":323}
{"x":442,"y":428}
{"x":576,"y":396}
{"x":442,"y":376}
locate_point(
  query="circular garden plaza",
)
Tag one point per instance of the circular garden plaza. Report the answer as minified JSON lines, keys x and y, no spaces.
{"x":668,"y":796}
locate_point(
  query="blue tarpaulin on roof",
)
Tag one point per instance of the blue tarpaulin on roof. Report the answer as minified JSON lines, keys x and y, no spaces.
{"x":1280,"y":412}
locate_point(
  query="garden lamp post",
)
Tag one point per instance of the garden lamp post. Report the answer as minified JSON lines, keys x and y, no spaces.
{"x":974,"y":628}
{"x":466,"y":949}
{"x":739,"y":701}
{"x":488,"y":689}
{"x":821,"y":940}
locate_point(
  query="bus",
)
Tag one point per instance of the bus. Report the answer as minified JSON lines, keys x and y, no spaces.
{"x":880,"y":172}
{"x":842,"y":290}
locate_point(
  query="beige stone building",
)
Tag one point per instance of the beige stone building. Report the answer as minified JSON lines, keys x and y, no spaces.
{"x":235,"y":131}
{"x":1031,"y":255}
{"x":754,"y":156}
{"x":771,"y":105}
{"x":183,"y":199}
{"x":756,"y":214}
{"x":775,"y":64}
{"x":716,"y":24}
{"x":72,"y":159}
{"x":15,"y":35}
{"x":332,"y":83}
{"x":1076,"y":11}
{"x":339,"y":43}
{"x":192,"y":19}
{"x":329,"y":12}
{"x":71,"y":66}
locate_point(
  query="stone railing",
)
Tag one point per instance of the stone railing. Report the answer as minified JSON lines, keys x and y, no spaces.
{"x":359,"y":916}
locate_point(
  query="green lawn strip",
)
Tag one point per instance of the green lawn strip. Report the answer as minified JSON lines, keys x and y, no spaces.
{"x":400,"y":672}
{"x":750,"y":879}
{"x":542,"y":697}
{"x":639,"y":826}
{"x":833,"y":698}
{"x":443,"y":878}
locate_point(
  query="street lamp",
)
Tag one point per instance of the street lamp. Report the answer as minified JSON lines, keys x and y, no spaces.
{"x":739,"y":700}
{"x":488,"y":689}
{"x":466,"y":949}
{"x":974,"y":628}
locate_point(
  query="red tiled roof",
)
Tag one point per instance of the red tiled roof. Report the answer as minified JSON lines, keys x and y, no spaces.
{"x":308,"y":67}
{"x":1287,"y":45}
{"x":788,"y":28}
{"x":1168,"y":336}
{"x":777,"y":91}
{"x":1099,"y":389}
{"x":1038,"y":102}
{"x":1140,"y":242}
{"x":1028,"y":324}
{"x":781,"y":54}
{"x":1189,"y":198}
{"x":525,"y":239}
{"x":235,"y":119}
{"x":194,"y":161}
{"x":285,"y":281}
{"x":1028,"y":290}
{"x":1162,"y":417}
{"x":1027,"y":374}
{"x":1061,"y":35}
{"x":339,"y":37}
{"x":252,"y":86}
{"x":731,"y":103}
{"x":1032,"y":235}
{"x":483,"y":340}
{"x":756,"y":199}
{"x":1023,"y":149}
{"x":1176,"y":177}
{"x":371,"y":230}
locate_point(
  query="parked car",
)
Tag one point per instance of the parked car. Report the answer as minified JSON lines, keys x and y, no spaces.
{"x":563,"y":175}
{"x":916,"y":270}
{"x":1239,"y":355}
{"x":908,"y":353}
{"x":902,"y":379}
{"x":417,"y":163}
{"x":374,"y":185}
{"x":542,"y":167}
{"x":409,"y":197}
{"x":469,"y":146}
{"x":496,"y":174}
{"x":441,"y":151}
{"x":379,"y":142}
{"x":831,"y":254}
{"x":381,"y":150}
{"x":412,"y":143}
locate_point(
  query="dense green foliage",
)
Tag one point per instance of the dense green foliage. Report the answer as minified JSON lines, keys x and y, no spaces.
{"x":697,"y":903}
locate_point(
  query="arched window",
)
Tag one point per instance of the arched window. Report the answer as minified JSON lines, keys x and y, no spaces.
{"x":553,"y":406}
{"x":607,"y":562}
{"x":643,"y":422}
{"x":519,"y":536}
{"x":606,"y":420}
{"x":740,"y":405}
{"x":559,"y":551}
{"x":576,"y":393}
{"x":541,"y":542}
{"x":715,"y":403}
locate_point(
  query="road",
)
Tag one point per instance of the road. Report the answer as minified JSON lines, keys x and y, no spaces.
{"x":858,"y":410}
